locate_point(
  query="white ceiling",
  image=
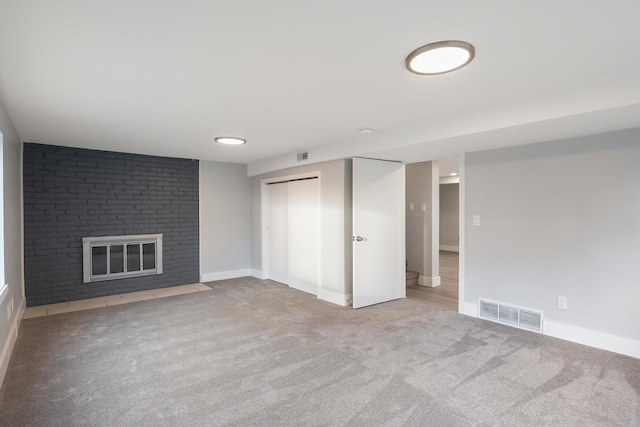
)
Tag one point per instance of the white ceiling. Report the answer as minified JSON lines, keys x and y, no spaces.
{"x":166,"y":77}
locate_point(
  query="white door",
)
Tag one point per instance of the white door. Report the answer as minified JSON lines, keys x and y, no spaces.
{"x":304,"y":234}
{"x":378,"y":229}
{"x":277,"y":233}
{"x":293,"y":233}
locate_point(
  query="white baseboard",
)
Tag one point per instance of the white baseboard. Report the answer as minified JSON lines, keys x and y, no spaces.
{"x":467,"y":308}
{"x":7,"y":348}
{"x":601,"y":340}
{"x":449,"y":248}
{"x":431,"y":282}
{"x":335,"y":297}
{"x":223,"y":275}
{"x":258,"y":274}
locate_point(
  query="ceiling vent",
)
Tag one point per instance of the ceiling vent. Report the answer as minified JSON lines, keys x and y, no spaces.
{"x":511,"y":315}
{"x":303,"y":156}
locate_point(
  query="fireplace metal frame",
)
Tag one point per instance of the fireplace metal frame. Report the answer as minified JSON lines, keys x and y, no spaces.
{"x":88,"y":243}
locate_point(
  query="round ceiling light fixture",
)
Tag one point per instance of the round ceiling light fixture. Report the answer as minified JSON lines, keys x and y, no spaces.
{"x":230,"y":140}
{"x":440,"y":57}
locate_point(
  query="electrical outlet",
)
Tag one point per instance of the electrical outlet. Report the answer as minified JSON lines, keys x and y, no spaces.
{"x":562,"y":303}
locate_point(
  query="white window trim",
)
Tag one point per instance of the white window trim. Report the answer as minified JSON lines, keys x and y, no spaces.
{"x":90,"y":242}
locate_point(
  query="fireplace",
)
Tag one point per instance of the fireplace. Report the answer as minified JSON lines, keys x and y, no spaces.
{"x":117,"y":257}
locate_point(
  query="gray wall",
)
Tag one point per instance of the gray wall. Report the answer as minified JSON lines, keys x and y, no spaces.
{"x":420,"y":232}
{"x":71,"y":193}
{"x":12,"y":229}
{"x":449,"y":214}
{"x":336,"y":223}
{"x":225,"y":220}
{"x":558,"y":219}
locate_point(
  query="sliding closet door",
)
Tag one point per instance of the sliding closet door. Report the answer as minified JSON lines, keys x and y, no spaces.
{"x":293,"y":233}
{"x":304,"y":234}
{"x":277,"y":233}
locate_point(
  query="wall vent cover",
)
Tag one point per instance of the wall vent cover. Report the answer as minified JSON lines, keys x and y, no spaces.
{"x":303,"y":156}
{"x":511,"y":315}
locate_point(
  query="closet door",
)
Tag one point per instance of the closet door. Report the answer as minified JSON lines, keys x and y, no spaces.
{"x":304,"y":234}
{"x":277,"y":233}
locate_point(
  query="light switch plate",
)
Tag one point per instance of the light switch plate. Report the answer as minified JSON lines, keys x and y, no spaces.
{"x":476,"y":220}
{"x":423,"y":207}
{"x":410,"y":206}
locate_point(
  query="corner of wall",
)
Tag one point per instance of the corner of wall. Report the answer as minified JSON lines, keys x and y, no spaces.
{"x":344,"y":300}
{"x":224,"y":275}
{"x":430,"y":282}
{"x":467,"y":308}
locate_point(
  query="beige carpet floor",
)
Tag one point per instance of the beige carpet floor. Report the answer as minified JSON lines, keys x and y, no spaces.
{"x":256,"y":353}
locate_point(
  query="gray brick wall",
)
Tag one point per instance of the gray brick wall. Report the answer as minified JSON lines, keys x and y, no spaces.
{"x":71,"y":193}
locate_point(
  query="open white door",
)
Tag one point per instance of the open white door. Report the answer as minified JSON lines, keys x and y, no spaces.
{"x":378,"y":229}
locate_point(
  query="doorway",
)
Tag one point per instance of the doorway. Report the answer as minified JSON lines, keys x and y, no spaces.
{"x":433,"y":260}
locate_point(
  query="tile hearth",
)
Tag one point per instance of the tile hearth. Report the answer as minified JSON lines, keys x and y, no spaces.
{"x":66,"y":307}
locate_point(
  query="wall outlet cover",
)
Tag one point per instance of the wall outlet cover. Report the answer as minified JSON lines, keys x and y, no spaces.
{"x":562,"y":303}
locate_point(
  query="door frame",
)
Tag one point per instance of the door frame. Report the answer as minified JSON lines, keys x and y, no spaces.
{"x":264,"y":200}
{"x":464,"y":307}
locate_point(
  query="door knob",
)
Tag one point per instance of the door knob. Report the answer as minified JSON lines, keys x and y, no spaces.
{"x":359,"y":238}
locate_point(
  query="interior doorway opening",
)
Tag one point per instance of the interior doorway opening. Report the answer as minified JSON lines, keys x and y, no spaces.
{"x":433,"y":232}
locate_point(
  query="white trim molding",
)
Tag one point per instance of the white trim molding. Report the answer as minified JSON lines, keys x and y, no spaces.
{"x":601,"y":340}
{"x":431,"y":282}
{"x":335,"y":297}
{"x":467,"y":308}
{"x":258,"y":274}
{"x":224,"y":275}
{"x":7,"y":349}
{"x":449,"y":248}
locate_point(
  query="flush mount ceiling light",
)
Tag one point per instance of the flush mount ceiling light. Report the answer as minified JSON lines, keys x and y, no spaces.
{"x":230,"y":140}
{"x":440,"y":57}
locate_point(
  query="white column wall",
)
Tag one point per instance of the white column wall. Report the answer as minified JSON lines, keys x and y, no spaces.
{"x":225,"y":218}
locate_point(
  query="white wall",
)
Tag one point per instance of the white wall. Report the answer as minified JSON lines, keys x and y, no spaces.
{"x":335,"y":193}
{"x":12,"y":242}
{"x":225,"y":221}
{"x":449,"y":216}
{"x":560,"y":219}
